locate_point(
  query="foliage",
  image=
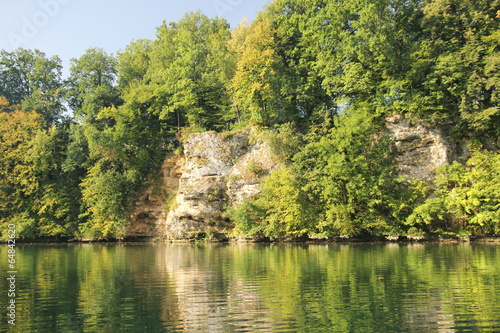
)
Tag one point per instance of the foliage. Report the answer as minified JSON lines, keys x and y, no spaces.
{"x":190,"y":66}
{"x":118,"y":143}
{"x":278,"y":212}
{"x":316,"y":77}
{"x":467,"y":198}
{"x":352,"y":177}
{"x":276,"y":80}
{"x":36,"y":195}
{"x":121,"y":157}
{"x":285,"y":141}
{"x":256,"y":79}
{"x":18,"y":179}
{"x":30,"y":79}
{"x":372,"y":58}
{"x":103,"y":192}
{"x":342,"y":182}
{"x":458,"y":57}
{"x":91,"y":84}
{"x":133,"y":63}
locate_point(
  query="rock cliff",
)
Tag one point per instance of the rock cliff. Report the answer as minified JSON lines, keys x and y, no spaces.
{"x":420,"y":149}
{"x":149,"y":213}
{"x":215,"y":171}
{"x":218,"y":170}
{"x":221,"y":170}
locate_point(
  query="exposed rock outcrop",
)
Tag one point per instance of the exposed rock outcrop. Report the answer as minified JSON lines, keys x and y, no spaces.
{"x":221,"y":170}
{"x":420,"y":149}
{"x":150,"y":212}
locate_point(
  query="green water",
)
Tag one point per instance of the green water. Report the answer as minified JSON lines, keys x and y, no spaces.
{"x":254,"y":288}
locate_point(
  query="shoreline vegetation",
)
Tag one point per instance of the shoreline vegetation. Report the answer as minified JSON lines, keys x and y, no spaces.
{"x":448,"y":239}
{"x":320,"y":78}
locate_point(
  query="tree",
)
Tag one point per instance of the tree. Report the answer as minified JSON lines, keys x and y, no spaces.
{"x":460,"y":57}
{"x":309,"y":60}
{"x":121,"y":140}
{"x":256,"y":77}
{"x":133,"y":63}
{"x":299,"y":87}
{"x":92,"y":84}
{"x":351,"y":180}
{"x":30,"y":79}
{"x":35,"y":195}
{"x":190,"y":67}
{"x":121,"y":156}
{"x":18,"y":182}
{"x":364,"y":52}
{"x":55,"y":205}
{"x":281,"y":210}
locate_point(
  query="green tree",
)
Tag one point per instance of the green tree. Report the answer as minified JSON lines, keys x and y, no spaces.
{"x":281,"y":210}
{"x":190,"y":68}
{"x":309,"y":60}
{"x":121,"y":156}
{"x":299,"y":87}
{"x":133,"y":63}
{"x":236,"y":46}
{"x":343,"y":181}
{"x":275,"y":80}
{"x":256,"y":78}
{"x":35,"y":195}
{"x":18,"y":181}
{"x":364,"y":52}
{"x":351,"y":180}
{"x":123,"y":142}
{"x":92,"y":84}
{"x":56,"y":203}
{"x":459,"y":57}
{"x":30,"y":79}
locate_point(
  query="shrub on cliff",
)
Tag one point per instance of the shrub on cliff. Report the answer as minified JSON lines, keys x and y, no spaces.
{"x":467,"y":198}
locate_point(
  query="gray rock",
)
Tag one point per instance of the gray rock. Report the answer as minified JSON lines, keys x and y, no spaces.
{"x":221,"y":170}
{"x":421,"y":150}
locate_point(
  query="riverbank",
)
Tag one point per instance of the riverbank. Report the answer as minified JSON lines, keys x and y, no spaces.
{"x":339,"y":239}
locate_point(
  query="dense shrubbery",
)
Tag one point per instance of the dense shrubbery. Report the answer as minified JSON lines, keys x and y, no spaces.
{"x":342,"y":181}
{"x":467,"y":198}
{"x":322,"y":75}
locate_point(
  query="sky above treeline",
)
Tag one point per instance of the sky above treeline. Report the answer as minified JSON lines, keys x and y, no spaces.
{"x":68,"y":27}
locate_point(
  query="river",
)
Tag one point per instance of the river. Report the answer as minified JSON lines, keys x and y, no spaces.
{"x":254,"y":288}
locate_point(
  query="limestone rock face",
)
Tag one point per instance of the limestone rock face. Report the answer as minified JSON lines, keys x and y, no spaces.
{"x":221,"y":170}
{"x":149,"y":212}
{"x":420,"y":149}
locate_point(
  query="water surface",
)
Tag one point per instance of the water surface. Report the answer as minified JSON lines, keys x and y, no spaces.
{"x":255,"y":288}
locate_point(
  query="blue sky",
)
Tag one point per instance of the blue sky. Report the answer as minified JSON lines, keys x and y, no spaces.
{"x":68,"y":27}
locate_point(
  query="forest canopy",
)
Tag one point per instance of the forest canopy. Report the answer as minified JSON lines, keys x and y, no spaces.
{"x":321,"y":75}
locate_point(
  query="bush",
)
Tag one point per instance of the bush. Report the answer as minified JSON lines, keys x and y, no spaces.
{"x":467,"y":198}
